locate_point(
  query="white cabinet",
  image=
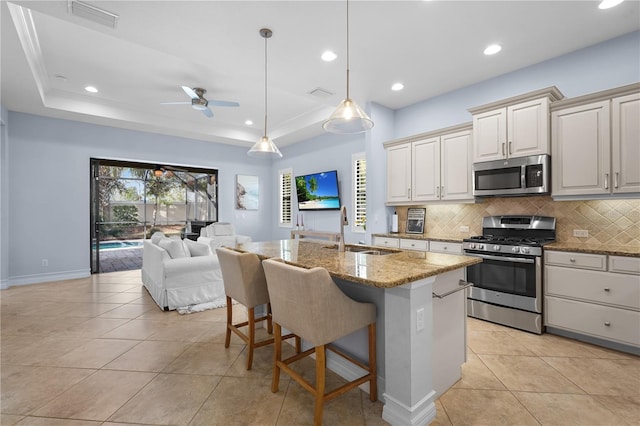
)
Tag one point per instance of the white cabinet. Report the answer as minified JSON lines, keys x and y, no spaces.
{"x":596,"y":144}
{"x":445,"y":247}
{"x":385,"y":242}
{"x":593,"y":295}
{"x":416,"y":245}
{"x":514,"y":127}
{"x":430,"y":167}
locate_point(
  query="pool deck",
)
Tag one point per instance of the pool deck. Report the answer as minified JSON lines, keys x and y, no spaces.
{"x":120,"y":260}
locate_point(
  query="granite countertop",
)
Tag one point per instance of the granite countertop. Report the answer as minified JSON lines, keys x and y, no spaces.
{"x":616,"y":250}
{"x":418,"y":237}
{"x":385,"y":271}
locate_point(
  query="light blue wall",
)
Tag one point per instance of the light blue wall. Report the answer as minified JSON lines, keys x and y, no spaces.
{"x":49,"y":187}
{"x":4,"y":198}
{"x":319,"y":154}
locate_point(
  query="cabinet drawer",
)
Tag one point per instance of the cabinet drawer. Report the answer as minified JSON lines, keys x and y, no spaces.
{"x":385,"y":242}
{"x":421,"y":245}
{"x":444,"y":247}
{"x":600,"y":287}
{"x":625,"y":265}
{"x":601,"y":321}
{"x":576,"y":260}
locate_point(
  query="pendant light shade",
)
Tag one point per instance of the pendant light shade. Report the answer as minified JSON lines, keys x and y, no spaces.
{"x":348,"y":117}
{"x":265,"y":147}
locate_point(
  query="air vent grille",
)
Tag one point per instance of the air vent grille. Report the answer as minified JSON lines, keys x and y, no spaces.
{"x":92,"y":13}
{"x":320,"y":92}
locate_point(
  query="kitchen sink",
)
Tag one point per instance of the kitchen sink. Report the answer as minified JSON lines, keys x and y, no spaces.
{"x":375,"y":251}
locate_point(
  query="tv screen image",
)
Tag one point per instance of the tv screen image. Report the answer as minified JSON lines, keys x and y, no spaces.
{"x":318,"y":191}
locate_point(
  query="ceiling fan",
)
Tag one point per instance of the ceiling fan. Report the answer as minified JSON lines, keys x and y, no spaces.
{"x":199,"y":102}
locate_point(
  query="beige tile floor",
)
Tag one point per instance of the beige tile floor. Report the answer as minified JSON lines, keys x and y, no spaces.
{"x":98,"y":351}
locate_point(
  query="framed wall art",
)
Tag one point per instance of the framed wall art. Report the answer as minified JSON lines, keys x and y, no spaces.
{"x":247,"y":192}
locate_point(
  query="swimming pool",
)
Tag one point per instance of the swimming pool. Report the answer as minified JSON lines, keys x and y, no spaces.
{"x":113,"y":245}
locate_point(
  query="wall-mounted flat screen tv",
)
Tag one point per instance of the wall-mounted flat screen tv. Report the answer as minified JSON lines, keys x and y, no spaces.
{"x":318,"y":191}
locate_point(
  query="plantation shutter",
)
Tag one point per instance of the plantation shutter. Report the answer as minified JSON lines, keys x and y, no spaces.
{"x":285,"y":197}
{"x":360,"y":191}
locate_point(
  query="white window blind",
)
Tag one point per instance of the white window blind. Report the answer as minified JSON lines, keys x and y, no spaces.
{"x":359,"y":192}
{"x":285,"y":177}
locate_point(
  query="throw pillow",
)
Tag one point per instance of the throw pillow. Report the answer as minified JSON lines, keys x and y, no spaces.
{"x":156,"y":237}
{"x":197,"y":249}
{"x":221,"y":228}
{"x":175,"y":248}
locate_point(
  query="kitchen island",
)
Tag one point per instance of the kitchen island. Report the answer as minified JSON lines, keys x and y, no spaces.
{"x":402,"y":285}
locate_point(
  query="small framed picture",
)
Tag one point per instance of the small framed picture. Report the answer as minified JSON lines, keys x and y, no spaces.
{"x":415,"y":220}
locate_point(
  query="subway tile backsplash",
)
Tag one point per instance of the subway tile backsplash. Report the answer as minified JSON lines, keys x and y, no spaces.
{"x":613,"y":222}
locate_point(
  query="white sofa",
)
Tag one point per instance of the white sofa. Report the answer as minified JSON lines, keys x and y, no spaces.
{"x":221,"y":234}
{"x":180,"y":273}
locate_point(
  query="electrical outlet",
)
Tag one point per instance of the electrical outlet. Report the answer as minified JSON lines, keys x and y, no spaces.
{"x":464,"y":228}
{"x":581,"y":233}
{"x":420,"y":319}
{"x":45,"y":262}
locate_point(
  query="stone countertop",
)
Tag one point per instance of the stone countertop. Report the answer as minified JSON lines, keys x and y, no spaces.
{"x":616,"y":250}
{"x":385,"y":271}
{"x":418,"y":237}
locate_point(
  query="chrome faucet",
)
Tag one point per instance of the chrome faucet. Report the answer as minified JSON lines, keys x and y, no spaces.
{"x":343,"y":223}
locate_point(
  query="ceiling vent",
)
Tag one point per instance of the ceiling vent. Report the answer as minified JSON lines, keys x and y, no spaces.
{"x":321,"y":93}
{"x":92,"y":13}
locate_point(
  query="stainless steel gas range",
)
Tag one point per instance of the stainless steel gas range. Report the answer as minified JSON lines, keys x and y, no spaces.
{"x":507,"y":285}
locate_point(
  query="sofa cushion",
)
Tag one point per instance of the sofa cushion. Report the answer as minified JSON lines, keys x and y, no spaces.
{"x":222,"y":229}
{"x":175,"y":248}
{"x":156,"y":237}
{"x":197,"y":249}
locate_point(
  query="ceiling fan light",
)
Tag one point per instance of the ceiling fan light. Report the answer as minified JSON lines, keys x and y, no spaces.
{"x":348,"y":118}
{"x":198,"y":107}
{"x":264,"y":147}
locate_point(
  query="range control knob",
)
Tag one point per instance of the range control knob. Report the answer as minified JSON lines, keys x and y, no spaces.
{"x":480,"y":246}
{"x":496,"y":247}
{"x":472,"y":245}
{"x":524,"y":250}
{"x":516,"y":249}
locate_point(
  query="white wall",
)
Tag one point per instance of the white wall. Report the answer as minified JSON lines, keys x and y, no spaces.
{"x":48,"y":172}
{"x":4,"y":199}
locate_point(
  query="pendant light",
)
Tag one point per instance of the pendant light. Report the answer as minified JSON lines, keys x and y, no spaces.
{"x":348,"y":117}
{"x":265,"y":147}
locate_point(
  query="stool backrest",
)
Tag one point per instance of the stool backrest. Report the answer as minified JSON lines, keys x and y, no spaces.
{"x":309,"y":304}
{"x":243,"y":277}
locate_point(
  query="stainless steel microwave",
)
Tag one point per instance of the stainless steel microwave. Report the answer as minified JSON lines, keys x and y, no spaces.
{"x":512,"y":177}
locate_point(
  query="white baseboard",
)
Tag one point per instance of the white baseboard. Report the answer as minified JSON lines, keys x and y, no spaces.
{"x":422,"y":413}
{"x":44,"y":278}
{"x":4,"y":284}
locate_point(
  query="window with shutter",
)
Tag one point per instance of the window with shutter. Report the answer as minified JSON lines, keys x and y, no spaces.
{"x":359,"y":192}
{"x":285,"y":177}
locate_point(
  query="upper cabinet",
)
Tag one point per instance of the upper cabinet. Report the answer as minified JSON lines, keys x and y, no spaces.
{"x":596,"y":144}
{"x":430,"y":167}
{"x":514,"y":127}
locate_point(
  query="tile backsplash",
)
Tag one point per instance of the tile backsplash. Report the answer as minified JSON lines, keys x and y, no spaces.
{"x":614,"y":222}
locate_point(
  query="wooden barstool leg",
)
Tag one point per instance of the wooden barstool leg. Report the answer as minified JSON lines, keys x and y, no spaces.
{"x":269,"y":319}
{"x":227,"y":339}
{"x":298,"y":344}
{"x":373,"y":368}
{"x":320,"y":383}
{"x":252,"y":336}
{"x":277,"y":357}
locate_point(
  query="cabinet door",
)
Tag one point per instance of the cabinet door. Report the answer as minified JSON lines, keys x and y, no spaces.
{"x":456,"y":183}
{"x":625,"y":143}
{"x":425,"y":163}
{"x":581,"y":146}
{"x":399,"y":173}
{"x":490,"y":135}
{"x":528,"y":128}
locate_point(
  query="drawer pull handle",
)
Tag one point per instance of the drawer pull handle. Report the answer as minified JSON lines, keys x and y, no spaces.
{"x":607,"y":289}
{"x":445,"y":247}
{"x":572,"y":260}
{"x":607,"y":323}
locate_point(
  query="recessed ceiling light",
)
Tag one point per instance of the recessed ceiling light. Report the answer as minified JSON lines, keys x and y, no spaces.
{"x":492,"y":49}
{"x":608,"y":4}
{"x":91,"y":89}
{"x":248,"y":123}
{"x":397,"y":86}
{"x":329,"y":56}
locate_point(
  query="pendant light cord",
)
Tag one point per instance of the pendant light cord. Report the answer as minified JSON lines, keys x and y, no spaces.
{"x":347,"y":49}
{"x":265,"y":86}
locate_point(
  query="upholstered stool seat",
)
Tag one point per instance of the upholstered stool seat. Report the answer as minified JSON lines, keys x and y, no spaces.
{"x":244,"y":282}
{"x":309,"y":304}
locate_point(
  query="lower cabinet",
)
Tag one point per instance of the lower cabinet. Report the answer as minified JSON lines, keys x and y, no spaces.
{"x":596,"y":296}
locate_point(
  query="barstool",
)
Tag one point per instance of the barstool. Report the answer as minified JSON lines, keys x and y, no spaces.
{"x":308,"y":303}
{"x":245,"y":283}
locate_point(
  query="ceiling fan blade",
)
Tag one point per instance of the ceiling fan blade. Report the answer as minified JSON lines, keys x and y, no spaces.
{"x":175,"y":103}
{"x":190,"y":92}
{"x":223,"y":103}
{"x":207,"y":112}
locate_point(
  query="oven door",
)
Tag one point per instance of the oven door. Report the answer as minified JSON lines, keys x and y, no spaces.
{"x":507,"y":280}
